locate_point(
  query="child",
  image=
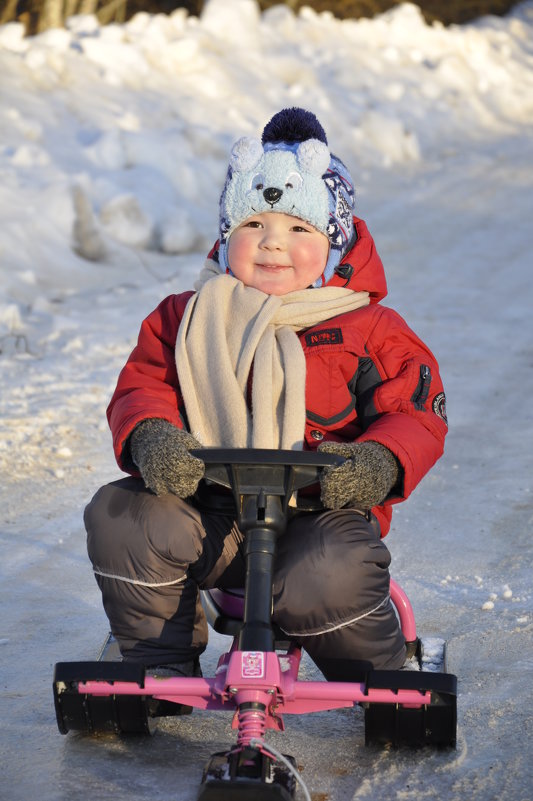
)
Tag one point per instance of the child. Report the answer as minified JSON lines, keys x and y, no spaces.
{"x":284,"y":345}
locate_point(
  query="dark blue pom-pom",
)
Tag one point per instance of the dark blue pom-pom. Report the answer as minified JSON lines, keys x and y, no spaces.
{"x":293,"y":125}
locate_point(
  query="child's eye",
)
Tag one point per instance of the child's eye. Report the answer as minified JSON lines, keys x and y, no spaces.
{"x":299,"y":229}
{"x":252,"y":224}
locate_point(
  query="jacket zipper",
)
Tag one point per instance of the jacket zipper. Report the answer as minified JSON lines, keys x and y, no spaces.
{"x":421,"y":392}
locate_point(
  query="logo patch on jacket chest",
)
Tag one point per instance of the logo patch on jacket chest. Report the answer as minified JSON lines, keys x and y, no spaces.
{"x":326,"y":336}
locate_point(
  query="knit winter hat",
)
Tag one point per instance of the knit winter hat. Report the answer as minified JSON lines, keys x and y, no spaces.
{"x":290,"y":171}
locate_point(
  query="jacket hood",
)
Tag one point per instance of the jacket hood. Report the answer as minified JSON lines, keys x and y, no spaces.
{"x":362,"y":269}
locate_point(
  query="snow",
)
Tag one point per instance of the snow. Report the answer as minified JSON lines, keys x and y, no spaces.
{"x":113,"y":146}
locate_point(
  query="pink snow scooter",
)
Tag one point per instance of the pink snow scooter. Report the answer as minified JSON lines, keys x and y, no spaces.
{"x":257,"y":679}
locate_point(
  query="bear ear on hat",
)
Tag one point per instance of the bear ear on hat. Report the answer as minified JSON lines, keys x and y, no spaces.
{"x":313,"y":156}
{"x":246,"y":153}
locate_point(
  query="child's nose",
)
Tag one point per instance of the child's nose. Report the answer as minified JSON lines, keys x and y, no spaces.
{"x":272,"y":240}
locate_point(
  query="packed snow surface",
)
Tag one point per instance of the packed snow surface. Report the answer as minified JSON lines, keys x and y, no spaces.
{"x":114,"y":143}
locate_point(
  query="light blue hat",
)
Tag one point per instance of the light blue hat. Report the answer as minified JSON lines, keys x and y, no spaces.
{"x":290,"y":171}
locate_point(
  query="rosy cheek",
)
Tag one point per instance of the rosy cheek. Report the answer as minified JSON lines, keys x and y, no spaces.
{"x":238,"y":257}
{"x":234,"y":248}
{"x":316,"y":256}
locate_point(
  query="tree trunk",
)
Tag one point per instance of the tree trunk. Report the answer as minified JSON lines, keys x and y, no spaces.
{"x":50,"y":15}
{"x":9,"y":13}
{"x":88,"y":6}
{"x":113,"y":11}
{"x":70,"y":8}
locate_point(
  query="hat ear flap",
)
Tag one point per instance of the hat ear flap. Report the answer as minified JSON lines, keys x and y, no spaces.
{"x":313,"y":156}
{"x":246,"y":154}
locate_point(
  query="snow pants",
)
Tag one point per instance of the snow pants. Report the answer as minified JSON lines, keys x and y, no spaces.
{"x":152,"y":554}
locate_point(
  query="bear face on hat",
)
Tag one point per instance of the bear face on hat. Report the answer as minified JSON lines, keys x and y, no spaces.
{"x":291,"y":171}
{"x":286,"y":179}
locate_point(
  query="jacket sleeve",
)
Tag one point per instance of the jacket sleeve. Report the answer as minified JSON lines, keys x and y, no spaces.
{"x":406,"y":406}
{"x":148,"y":383}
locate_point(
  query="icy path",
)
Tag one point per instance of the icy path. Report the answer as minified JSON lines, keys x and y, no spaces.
{"x":461,"y":546}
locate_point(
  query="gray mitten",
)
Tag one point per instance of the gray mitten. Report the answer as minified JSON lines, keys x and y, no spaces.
{"x":161,"y":452}
{"x":363,"y":480}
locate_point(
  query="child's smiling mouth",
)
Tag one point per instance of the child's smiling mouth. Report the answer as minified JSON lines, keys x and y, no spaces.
{"x":273,"y":267}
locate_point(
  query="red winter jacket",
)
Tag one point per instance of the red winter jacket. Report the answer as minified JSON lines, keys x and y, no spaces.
{"x":369,"y":377}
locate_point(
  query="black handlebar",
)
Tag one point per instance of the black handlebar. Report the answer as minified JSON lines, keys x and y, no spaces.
{"x":248,"y":471}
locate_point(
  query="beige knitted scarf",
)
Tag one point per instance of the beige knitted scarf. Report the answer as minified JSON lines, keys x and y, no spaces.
{"x":227,"y":328}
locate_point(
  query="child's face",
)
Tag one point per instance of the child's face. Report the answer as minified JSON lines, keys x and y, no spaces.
{"x":277,"y":253}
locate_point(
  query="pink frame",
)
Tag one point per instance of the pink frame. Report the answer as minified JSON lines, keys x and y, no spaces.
{"x":270,"y":679}
{"x":277,"y":689}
